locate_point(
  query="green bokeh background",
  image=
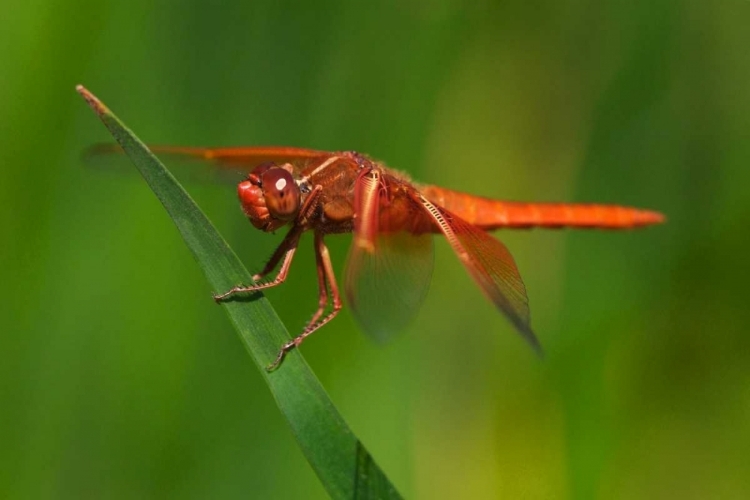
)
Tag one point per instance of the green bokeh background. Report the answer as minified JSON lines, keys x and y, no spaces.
{"x":119,"y":377}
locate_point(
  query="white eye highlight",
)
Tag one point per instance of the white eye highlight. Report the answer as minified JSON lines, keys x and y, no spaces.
{"x":281,"y":194}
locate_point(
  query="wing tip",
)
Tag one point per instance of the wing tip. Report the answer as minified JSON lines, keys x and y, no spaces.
{"x":533,"y":341}
{"x":524,"y":329}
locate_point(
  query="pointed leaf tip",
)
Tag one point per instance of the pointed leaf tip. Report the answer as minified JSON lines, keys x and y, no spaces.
{"x":92,"y":100}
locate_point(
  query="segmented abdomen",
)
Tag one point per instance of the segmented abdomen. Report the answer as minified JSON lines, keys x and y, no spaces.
{"x":490,"y":214}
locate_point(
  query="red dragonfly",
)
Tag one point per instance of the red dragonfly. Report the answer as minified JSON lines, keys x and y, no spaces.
{"x":393,"y":218}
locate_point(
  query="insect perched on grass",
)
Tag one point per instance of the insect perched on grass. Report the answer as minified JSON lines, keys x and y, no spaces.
{"x":391,"y":258}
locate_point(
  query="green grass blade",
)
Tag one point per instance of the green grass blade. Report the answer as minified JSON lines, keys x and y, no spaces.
{"x":340,"y":460}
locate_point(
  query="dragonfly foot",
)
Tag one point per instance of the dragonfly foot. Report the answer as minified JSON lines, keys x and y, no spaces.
{"x":218,"y":297}
{"x":282,"y":353}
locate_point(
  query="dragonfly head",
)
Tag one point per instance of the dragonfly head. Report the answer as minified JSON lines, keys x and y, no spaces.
{"x":269,"y":196}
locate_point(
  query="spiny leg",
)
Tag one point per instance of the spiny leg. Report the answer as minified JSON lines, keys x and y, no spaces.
{"x":322,"y":288}
{"x":281,"y":252}
{"x":325,"y":275}
{"x":325,"y":257}
{"x":285,"y":249}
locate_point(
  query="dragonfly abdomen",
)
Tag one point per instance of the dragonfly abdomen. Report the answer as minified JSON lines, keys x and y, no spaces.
{"x":495,"y":214}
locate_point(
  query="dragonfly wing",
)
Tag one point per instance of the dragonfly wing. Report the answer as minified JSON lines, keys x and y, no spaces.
{"x":247,"y":157}
{"x":386,"y":286}
{"x":387,"y":272}
{"x":225,"y":164}
{"x":490,"y":264}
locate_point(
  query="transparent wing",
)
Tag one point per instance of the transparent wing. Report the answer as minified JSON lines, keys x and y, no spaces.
{"x":205,"y":164}
{"x":386,"y":285}
{"x":490,"y":264}
{"x":387,"y":272}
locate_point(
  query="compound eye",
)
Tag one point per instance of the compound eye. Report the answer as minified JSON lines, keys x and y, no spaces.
{"x":281,"y":193}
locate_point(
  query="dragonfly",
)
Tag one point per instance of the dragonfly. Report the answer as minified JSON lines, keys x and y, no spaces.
{"x":392,"y":219}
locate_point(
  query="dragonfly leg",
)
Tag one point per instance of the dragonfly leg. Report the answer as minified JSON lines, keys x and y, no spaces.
{"x":326,"y":283}
{"x":322,"y":288}
{"x":286,"y":251}
{"x":324,"y":256}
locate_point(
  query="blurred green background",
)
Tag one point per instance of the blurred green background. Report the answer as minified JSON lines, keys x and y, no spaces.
{"x":120,"y":378}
